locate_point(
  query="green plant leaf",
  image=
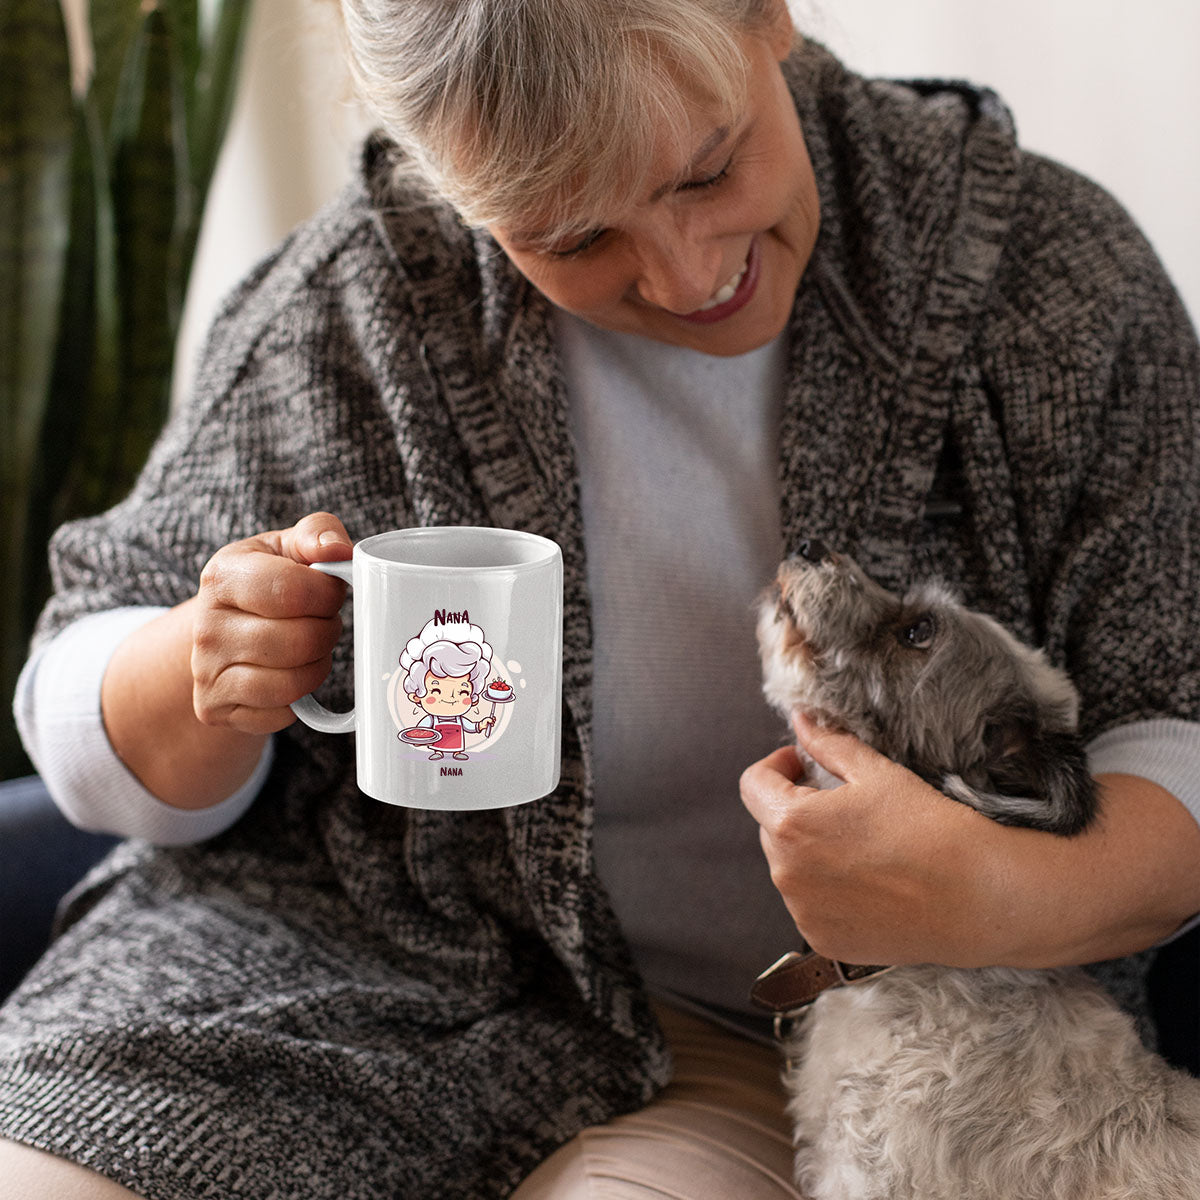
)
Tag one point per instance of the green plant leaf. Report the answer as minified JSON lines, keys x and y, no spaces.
{"x":151,"y":195}
{"x":215,"y":83}
{"x":84,"y":380}
{"x":184,"y":18}
{"x":36,"y":131}
{"x":113,"y":25}
{"x":214,"y":92}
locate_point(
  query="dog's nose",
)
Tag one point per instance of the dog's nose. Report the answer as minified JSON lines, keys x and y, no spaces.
{"x":813,"y":550}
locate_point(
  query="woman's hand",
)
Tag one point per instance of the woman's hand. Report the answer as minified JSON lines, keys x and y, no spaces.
{"x":189,"y":698}
{"x":878,"y":870}
{"x":885,"y":869}
{"x":264,"y":625}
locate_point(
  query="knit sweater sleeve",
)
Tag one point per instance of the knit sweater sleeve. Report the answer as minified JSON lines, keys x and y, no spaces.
{"x":1093,"y":371}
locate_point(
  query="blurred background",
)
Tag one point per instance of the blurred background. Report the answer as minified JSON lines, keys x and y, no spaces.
{"x":1107,"y":87}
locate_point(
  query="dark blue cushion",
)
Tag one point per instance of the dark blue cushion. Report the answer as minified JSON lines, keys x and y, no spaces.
{"x":41,"y":856}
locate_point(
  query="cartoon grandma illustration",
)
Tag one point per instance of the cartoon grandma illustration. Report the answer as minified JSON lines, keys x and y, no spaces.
{"x":446,"y":667}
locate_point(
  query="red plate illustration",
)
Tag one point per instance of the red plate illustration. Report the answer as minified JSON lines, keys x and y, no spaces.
{"x":420,"y":736}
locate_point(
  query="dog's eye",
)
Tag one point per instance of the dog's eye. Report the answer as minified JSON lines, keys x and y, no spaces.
{"x":919,"y":635}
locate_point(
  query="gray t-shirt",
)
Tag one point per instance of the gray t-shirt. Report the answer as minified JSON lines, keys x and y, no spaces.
{"x":678,"y":455}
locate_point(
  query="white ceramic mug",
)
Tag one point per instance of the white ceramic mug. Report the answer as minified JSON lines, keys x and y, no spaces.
{"x":457,"y":667}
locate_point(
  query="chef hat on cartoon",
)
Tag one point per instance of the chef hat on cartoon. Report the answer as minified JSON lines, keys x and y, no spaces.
{"x":448,"y":649}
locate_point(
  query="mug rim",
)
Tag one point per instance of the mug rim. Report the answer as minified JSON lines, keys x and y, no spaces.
{"x":366,"y":547}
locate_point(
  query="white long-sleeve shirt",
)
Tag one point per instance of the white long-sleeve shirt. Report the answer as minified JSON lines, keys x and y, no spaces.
{"x":57,"y":709}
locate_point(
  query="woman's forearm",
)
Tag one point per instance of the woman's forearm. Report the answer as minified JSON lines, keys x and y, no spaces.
{"x":190,"y":698}
{"x":146,"y":702}
{"x":1122,"y":886}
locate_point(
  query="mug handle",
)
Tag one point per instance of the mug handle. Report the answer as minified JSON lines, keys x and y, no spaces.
{"x":312,"y":712}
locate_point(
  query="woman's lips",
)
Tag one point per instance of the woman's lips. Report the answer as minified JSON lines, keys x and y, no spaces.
{"x":742,"y":293}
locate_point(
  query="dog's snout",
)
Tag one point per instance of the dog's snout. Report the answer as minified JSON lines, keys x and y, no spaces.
{"x":813,"y":550}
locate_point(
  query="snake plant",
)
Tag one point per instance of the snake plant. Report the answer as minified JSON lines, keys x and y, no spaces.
{"x":101,"y":196}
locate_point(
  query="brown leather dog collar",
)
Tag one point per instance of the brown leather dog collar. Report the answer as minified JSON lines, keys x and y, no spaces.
{"x":798,"y":978}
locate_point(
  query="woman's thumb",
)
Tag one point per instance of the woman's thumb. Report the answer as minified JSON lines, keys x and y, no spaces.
{"x":319,"y":537}
{"x":841,"y":754}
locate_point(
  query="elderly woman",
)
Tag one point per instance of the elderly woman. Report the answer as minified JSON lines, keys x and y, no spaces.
{"x":656,"y":279}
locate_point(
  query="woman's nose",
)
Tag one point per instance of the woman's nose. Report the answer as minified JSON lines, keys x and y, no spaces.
{"x":679,"y":274}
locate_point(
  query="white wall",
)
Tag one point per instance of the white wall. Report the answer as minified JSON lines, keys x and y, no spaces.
{"x":1107,"y":87}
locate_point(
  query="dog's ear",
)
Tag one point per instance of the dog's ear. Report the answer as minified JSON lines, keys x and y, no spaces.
{"x":1031,"y":777}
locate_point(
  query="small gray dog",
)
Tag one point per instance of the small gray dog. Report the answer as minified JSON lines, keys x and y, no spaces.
{"x":937,"y":1083}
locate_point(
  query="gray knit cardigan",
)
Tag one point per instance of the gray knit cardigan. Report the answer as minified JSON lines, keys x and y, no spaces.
{"x":990,"y":378}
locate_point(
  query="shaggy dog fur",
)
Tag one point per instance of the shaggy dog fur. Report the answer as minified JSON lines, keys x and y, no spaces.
{"x":933,"y":1083}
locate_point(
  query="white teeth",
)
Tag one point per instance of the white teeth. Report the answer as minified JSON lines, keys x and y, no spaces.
{"x":726,"y":293}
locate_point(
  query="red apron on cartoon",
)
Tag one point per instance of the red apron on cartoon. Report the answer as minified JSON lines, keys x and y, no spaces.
{"x":451,"y":730}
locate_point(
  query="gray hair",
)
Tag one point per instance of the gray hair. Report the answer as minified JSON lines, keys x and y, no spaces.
{"x":556,"y":107}
{"x":450,"y":660}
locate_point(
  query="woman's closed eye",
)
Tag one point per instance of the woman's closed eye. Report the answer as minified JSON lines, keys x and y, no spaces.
{"x":709,"y":181}
{"x":585,"y":243}
{"x":589,"y":239}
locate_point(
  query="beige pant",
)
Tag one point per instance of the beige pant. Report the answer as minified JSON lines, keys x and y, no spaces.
{"x":718,"y":1131}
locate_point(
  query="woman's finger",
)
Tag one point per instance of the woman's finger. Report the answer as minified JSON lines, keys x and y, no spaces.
{"x":254,"y":576}
{"x":244,"y":687}
{"x":230,"y":636}
{"x":774,"y":784}
{"x":841,"y":754}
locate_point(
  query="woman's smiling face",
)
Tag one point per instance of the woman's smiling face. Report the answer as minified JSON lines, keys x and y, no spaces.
{"x":712,"y":257}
